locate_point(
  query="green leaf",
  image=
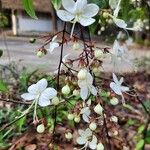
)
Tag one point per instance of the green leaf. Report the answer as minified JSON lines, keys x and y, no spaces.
{"x":141,"y":129}
{"x":3,"y":86}
{"x":140,"y":145}
{"x":1,"y":52}
{"x":28,"y":6}
{"x":56,"y":4}
{"x":20,"y":123}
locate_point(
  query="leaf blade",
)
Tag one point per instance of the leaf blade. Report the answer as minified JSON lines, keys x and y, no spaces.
{"x":28,"y":6}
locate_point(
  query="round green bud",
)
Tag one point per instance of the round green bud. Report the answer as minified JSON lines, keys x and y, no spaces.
{"x":66,"y":90}
{"x":55,"y":101}
{"x":93,"y":126}
{"x":70,"y":116}
{"x":40,"y":128}
{"x":100,"y":146}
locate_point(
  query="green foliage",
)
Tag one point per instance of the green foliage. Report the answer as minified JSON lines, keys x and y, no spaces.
{"x":147,"y":139}
{"x":3,"y":20}
{"x":137,"y":14}
{"x":24,"y":79}
{"x":131,"y":122}
{"x":3,"y":86}
{"x":140,"y":145}
{"x":28,"y":5}
{"x":100,"y":3}
{"x":141,"y":129}
{"x":56,"y":4}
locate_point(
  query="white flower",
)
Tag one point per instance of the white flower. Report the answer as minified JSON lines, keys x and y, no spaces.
{"x":86,"y":86}
{"x":78,"y":11}
{"x":115,"y":4}
{"x":53,"y":44}
{"x":86,"y":114}
{"x":117,"y":87}
{"x":40,"y":92}
{"x":120,"y":57}
{"x":87,"y":139}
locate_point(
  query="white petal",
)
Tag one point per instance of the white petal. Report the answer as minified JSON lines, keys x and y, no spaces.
{"x":120,"y":23}
{"x":124,"y":88}
{"x":116,"y":79}
{"x":81,"y":140}
{"x":82,"y":83}
{"x":93,"y":143}
{"x":33,"y":89}
{"x":28,"y":96}
{"x":54,"y":38}
{"x":84,"y":92}
{"x":121,"y":81}
{"x":80,"y":5}
{"x":85,"y":118}
{"x":80,"y":132}
{"x":85,"y":110}
{"x":90,"y":10}
{"x":93,"y":90}
{"x":52,"y":46}
{"x":117,"y":9}
{"x":65,"y":57}
{"x":88,"y":132}
{"x":64,"y":15}
{"x":68,"y":5}
{"x":89,"y":79}
{"x":44,"y":102}
{"x":85,"y":21}
{"x":42,"y":85}
{"x":44,"y":99}
{"x":115,"y":88}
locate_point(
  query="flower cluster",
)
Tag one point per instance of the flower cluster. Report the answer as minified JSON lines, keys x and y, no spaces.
{"x":82,"y":84}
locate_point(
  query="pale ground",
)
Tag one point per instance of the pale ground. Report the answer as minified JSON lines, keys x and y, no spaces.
{"x":24,"y":54}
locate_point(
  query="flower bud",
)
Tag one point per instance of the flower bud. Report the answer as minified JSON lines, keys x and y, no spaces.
{"x":32,"y":40}
{"x":102,"y":28}
{"x":70,"y":116}
{"x":55,"y":101}
{"x":40,"y":54}
{"x":96,"y":71}
{"x":68,"y":136}
{"x":98,"y":53}
{"x":99,"y":32}
{"x":98,"y":109}
{"x":77,"y":119}
{"x":114,"y":119}
{"x":40,"y":128}
{"x":82,"y":74}
{"x":105,"y":14}
{"x":93,"y":126}
{"x":65,"y":90}
{"x":114,"y":101}
{"x":76,"y":46}
{"x":76,"y":93}
{"x":100,"y":146}
{"x":110,"y":21}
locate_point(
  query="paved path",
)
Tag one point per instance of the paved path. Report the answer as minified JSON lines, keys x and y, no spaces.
{"x":24,"y":54}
